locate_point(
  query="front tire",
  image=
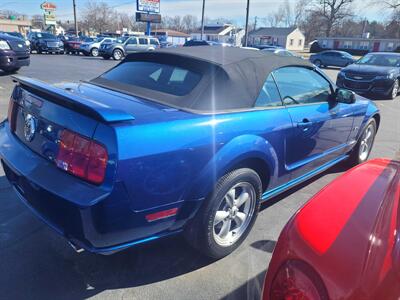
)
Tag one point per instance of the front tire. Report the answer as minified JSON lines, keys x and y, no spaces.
{"x":395,"y":90}
{"x":363,"y":148}
{"x":117,"y":54}
{"x":227,"y":215}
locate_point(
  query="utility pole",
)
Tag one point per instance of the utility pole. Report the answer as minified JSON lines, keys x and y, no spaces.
{"x":75,"y":22}
{"x":255,"y":22}
{"x":246,"y":35}
{"x":202,"y":20}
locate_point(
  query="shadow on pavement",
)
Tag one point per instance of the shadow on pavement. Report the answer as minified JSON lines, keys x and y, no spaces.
{"x":251,"y":290}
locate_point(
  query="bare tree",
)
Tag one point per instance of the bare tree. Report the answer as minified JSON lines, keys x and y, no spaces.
{"x":333,"y":11}
{"x":189,"y":23}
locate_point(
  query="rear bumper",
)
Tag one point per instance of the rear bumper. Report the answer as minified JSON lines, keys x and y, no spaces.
{"x":98,"y":220}
{"x":13,"y":60}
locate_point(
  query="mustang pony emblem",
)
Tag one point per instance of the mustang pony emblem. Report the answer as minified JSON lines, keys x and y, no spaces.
{"x":29,"y":127}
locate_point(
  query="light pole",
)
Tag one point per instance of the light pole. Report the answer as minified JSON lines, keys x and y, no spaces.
{"x":247,"y":24}
{"x":202,"y":20}
{"x":75,"y":22}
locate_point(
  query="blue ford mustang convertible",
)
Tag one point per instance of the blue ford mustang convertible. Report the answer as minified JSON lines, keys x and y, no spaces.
{"x":187,"y":140}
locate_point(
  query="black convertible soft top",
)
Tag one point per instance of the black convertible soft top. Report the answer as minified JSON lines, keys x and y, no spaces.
{"x":232,"y":78}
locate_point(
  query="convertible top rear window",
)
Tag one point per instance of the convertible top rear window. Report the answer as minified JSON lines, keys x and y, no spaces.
{"x":155,"y":76}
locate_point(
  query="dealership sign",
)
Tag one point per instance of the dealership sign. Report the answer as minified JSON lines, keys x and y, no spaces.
{"x":49,"y":13}
{"x":151,"y":6}
{"x":144,"y":17}
{"x":48,"y":6}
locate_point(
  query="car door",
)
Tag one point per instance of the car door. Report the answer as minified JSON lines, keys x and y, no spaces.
{"x":143,"y":44}
{"x":131,"y":45}
{"x":276,"y":128}
{"x":327,"y":58}
{"x":321,"y":126}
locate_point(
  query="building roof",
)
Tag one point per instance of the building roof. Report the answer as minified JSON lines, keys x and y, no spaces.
{"x":231,"y":78}
{"x":170,"y":32}
{"x":214,"y":29}
{"x":357,"y":39}
{"x":281,"y":31}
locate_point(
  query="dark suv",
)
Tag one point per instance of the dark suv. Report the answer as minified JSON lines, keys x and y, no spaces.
{"x":45,"y":42}
{"x":13,"y":53}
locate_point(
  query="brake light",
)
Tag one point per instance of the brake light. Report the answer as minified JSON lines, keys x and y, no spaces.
{"x":82,"y":157}
{"x":10,"y":114}
{"x":296,"y":280}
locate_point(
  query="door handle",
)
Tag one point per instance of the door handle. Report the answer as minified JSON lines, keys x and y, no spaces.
{"x":305,"y":124}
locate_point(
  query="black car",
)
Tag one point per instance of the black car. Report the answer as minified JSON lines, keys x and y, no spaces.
{"x":45,"y":42}
{"x":14,"y":53}
{"x":375,"y":73}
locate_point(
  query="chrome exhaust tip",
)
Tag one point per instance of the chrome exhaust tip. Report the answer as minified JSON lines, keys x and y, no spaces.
{"x":76,"y":248}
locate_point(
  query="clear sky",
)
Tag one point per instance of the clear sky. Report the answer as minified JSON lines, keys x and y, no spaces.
{"x":229,"y":9}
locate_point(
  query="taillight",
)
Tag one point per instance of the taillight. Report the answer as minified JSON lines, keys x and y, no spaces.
{"x":295,"y":280}
{"x":11,"y":112}
{"x":82,"y":157}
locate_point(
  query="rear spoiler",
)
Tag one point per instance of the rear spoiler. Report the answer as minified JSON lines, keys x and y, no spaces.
{"x":86,"y":106}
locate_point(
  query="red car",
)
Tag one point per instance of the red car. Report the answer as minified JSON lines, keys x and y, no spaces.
{"x":345,"y":242}
{"x":71,"y":45}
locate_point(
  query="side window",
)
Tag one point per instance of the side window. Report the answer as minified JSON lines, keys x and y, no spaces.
{"x":302,"y":86}
{"x":106,"y":41}
{"x":153,"y":42}
{"x":269,"y":95}
{"x":142,"y":41}
{"x":132,"y":41}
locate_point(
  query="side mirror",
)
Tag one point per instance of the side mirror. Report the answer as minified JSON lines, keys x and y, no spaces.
{"x":345,"y":96}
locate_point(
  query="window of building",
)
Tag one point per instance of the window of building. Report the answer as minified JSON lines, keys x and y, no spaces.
{"x":347,"y":44}
{"x":300,"y":42}
{"x":291,"y":42}
{"x":364,"y":45}
{"x":390,"y":46}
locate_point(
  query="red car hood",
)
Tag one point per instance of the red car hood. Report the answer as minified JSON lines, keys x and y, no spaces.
{"x":347,"y":233}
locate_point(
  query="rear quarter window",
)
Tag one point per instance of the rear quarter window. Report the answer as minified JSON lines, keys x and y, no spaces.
{"x":163,"y":78}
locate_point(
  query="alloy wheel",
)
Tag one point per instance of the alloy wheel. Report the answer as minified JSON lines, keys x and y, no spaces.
{"x":95,"y":52}
{"x":367,"y":140}
{"x":117,"y":54}
{"x":395,"y":89}
{"x":234,"y":214}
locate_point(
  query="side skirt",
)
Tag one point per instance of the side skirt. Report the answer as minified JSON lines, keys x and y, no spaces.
{"x":280,"y":189}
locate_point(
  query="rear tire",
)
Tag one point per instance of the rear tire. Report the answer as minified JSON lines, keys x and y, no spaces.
{"x":94,"y":52}
{"x":227,"y":215}
{"x":318,"y":63}
{"x":362,"y":149}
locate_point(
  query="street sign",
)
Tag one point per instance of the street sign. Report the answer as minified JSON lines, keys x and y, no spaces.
{"x":49,"y":17}
{"x":48,"y":6}
{"x":152,"y":6}
{"x":151,"y":18}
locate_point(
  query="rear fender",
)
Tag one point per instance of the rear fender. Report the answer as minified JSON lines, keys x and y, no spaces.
{"x":230,"y":155}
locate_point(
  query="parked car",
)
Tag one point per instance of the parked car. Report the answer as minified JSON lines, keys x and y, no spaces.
{"x":45,"y":42}
{"x":18,"y":35}
{"x":128,"y":45}
{"x":280,"y":51}
{"x":72,"y":44}
{"x":91,"y":48}
{"x":345,"y":242}
{"x":262,"y":47}
{"x":193,"y":43}
{"x":178,"y":140}
{"x":332,"y":58}
{"x":14,"y":53}
{"x":375,"y":73}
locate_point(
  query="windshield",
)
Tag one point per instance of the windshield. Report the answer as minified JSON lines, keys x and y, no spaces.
{"x":88,"y":40}
{"x":122,"y":39}
{"x":44,"y":35}
{"x":386,"y":60}
{"x":99,"y":39}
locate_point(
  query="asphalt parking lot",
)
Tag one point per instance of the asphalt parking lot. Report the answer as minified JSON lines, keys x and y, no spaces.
{"x":36,"y":263}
